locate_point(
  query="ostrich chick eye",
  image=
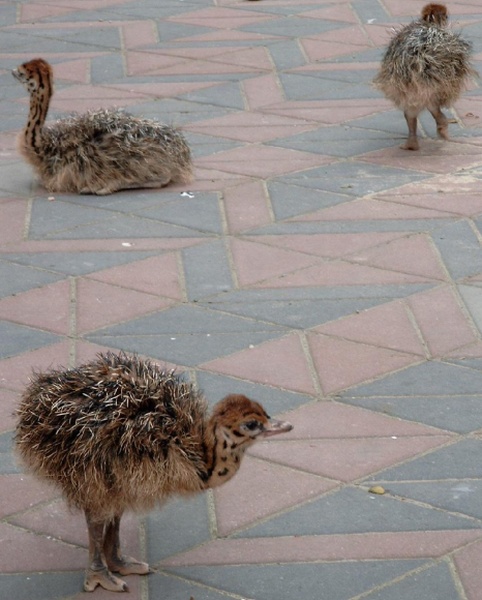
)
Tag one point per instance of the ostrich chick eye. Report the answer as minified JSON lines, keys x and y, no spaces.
{"x":252,"y":425}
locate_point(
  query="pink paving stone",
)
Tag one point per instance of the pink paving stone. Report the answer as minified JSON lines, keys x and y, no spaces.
{"x":223,"y":35}
{"x":25,"y":551}
{"x":347,"y":459}
{"x":320,"y":50}
{"x":256,"y":160}
{"x":56,"y":520}
{"x":256,"y":262}
{"x":246,"y":206}
{"x":330,"y":245}
{"x":256,"y":58}
{"x":262,"y":91}
{"x":453,"y":183}
{"x":467,"y":562}
{"x":35,"y":308}
{"x":315,"y":548}
{"x":77,"y":71}
{"x":142,"y":62}
{"x":8,"y":404}
{"x":281,"y":363}
{"x":441,"y":320}
{"x":434,"y":156}
{"x":251,"y":127}
{"x":337,"y":12}
{"x":139,"y":33}
{"x":387,"y":326}
{"x":202,"y":67}
{"x":327,"y":111}
{"x":24,"y":492}
{"x":354,"y":35}
{"x":412,"y":254}
{"x":459,"y":204}
{"x":339,"y":272}
{"x":371,"y":209}
{"x":222,"y":18}
{"x":36,"y":11}
{"x":327,"y":419}
{"x":157,"y":275}
{"x":261,"y":489}
{"x":16,"y":370}
{"x":342,"y":363}
{"x":470,"y":351}
{"x":100,"y":304}
{"x":12,"y":223}
{"x":162,"y":90}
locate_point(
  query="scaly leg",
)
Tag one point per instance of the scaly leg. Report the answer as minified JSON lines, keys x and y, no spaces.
{"x":412,"y":141}
{"x":442,"y":122}
{"x":116,"y":562}
{"x":98,"y":572}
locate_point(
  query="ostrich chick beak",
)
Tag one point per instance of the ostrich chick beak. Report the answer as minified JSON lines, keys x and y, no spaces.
{"x":274,"y":427}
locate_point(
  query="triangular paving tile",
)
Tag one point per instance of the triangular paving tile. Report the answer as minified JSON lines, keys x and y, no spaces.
{"x":112,"y":304}
{"x":16,"y":370}
{"x":467,"y":562}
{"x":341,"y":363}
{"x":8,"y":405}
{"x":261,"y":489}
{"x":158,"y":275}
{"x":255,"y":262}
{"x":388,"y":326}
{"x":280,"y":362}
{"x":34,"y":308}
{"x":412,"y":254}
{"x":458,"y":204}
{"x":24,"y":492}
{"x":348,"y":459}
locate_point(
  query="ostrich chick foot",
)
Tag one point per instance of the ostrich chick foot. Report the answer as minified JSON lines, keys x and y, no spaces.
{"x":127,"y":565}
{"x":410,"y":144}
{"x":105,"y":579}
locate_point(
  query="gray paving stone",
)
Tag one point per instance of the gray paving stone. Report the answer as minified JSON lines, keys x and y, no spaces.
{"x":83,"y":39}
{"x":320,"y":581}
{"x":351,"y":226}
{"x":299,"y":314}
{"x":16,"y":178}
{"x":391,"y":122}
{"x":428,"y":379}
{"x":72,"y":263}
{"x":311,"y":87}
{"x":40,"y":586}
{"x":366,"y":11}
{"x":336,"y":141}
{"x":435,"y":583}
{"x":356,"y":178}
{"x":187,"y":350}
{"x":17,"y":339}
{"x":461,"y":460}
{"x":461,"y":496}
{"x":15,"y":278}
{"x":169,"y":31}
{"x":176,"y":527}
{"x":292,"y":200}
{"x":199,"y":213}
{"x":8,"y":463}
{"x":460,"y":414}
{"x":356,"y":511}
{"x":178,"y":112}
{"x":226,"y":95}
{"x":161,"y":586}
{"x":460,"y":249}
{"x":206,"y":270}
{"x":295,"y":27}
{"x":275,"y":401}
{"x":205,"y":145}
{"x":106,"y":68}
{"x":286,"y":54}
{"x":472,"y":296}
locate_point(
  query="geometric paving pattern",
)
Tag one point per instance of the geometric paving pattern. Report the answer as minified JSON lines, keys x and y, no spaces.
{"x":312,"y":265}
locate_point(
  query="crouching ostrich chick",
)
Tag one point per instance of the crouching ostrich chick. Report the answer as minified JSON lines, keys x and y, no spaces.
{"x":120,"y":434}
{"x":426,"y":66}
{"x":99,"y":152}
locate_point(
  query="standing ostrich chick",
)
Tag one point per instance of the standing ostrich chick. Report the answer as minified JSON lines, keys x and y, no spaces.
{"x":120,"y":434}
{"x":426,"y":66}
{"x":99,"y":152}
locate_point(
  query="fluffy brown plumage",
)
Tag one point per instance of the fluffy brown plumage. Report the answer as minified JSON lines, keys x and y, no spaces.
{"x":99,"y":152}
{"x":426,"y":66}
{"x":120,"y":434}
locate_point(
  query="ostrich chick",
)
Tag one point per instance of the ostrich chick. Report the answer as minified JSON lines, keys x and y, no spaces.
{"x":99,"y":152}
{"x":426,"y":66}
{"x":120,"y":434}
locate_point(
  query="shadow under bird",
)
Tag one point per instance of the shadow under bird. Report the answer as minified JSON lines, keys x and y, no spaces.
{"x":100,"y":151}
{"x":426,"y":66}
{"x":119,"y":434}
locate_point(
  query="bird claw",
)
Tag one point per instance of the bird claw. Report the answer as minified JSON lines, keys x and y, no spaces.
{"x":129,"y":566}
{"x":105,"y":579}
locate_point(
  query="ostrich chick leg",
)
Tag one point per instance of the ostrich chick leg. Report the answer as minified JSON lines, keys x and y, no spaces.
{"x":442,"y":122}
{"x":412,"y":141}
{"x":97,"y":572}
{"x":116,"y":562}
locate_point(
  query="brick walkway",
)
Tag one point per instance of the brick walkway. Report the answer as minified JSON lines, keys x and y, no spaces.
{"x":312,"y":264}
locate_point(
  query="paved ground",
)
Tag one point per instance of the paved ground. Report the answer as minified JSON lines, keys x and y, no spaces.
{"x":312,"y":265}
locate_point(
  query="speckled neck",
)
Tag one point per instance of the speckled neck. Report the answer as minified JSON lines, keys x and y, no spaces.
{"x":39,"y":106}
{"x":225,"y":452}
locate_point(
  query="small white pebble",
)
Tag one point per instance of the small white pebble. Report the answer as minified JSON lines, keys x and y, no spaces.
{"x":51,"y":198}
{"x":127,"y":244}
{"x":251,"y":346}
